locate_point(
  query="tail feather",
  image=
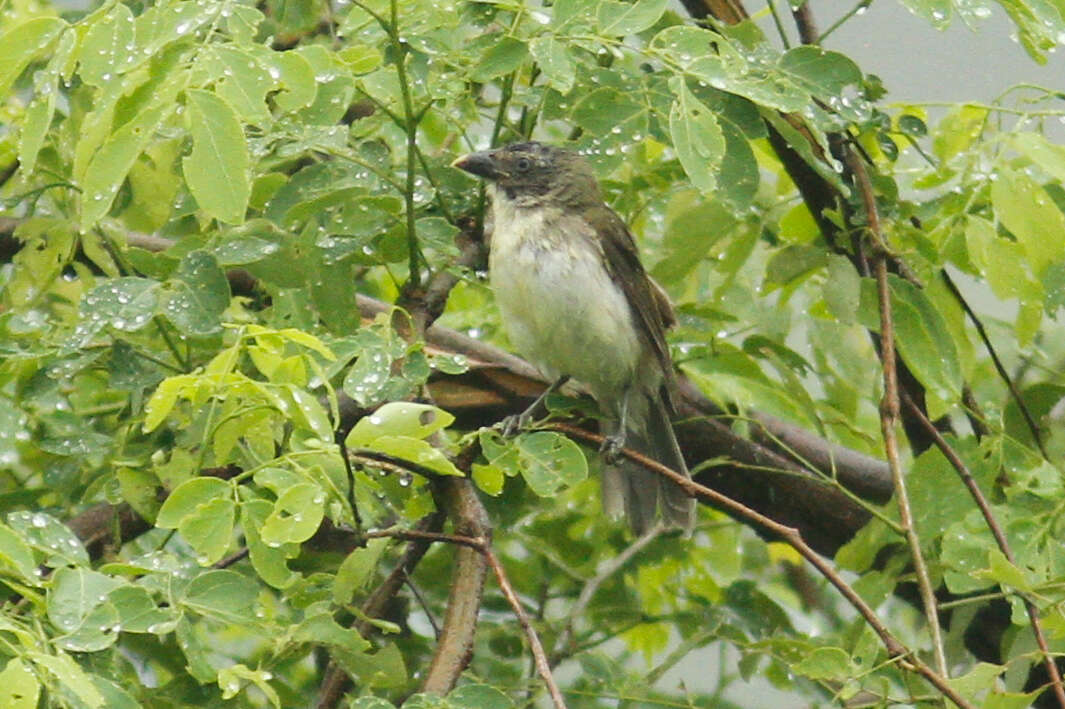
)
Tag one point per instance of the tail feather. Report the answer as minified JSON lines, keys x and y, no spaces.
{"x":641,"y":495}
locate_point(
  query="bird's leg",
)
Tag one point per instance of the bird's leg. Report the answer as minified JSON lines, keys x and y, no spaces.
{"x":513,"y":424}
{"x":612,"y":444}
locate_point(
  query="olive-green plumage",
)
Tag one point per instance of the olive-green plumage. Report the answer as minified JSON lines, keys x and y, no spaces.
{"x":577,"y":302}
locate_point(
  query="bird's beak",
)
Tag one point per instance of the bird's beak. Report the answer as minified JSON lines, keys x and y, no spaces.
{"x":483,"y":164}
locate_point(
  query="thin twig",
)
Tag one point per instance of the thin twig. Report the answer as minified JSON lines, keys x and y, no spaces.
{"x":231,"y":559}
{"x":889,"y":408}
{"x":1000,"y":538}
{"x":609,"y":568}
{"x":415,"y":535}
{"x":999,"y":367}
{"x":482,"y":545}
{"x":336,"y":681}
{"x":856,"y":10}
{"x":905,"y":657}
{"x":539,"y":657}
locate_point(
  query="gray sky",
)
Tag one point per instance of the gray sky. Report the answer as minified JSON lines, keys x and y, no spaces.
{"x":919,"y":63}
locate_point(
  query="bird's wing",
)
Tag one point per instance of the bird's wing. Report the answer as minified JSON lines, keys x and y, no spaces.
{"x":650,"y":305}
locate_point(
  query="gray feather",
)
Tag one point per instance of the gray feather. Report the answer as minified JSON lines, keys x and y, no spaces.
{"x":641,"y":495}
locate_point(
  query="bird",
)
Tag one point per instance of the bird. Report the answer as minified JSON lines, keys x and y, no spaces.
{"x":576,"y":302}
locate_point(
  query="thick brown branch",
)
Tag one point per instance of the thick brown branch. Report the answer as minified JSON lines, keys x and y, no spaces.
{"x":458,"y":499}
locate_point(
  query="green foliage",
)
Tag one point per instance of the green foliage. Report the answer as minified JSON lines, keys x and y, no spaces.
{"x":156,"y":157}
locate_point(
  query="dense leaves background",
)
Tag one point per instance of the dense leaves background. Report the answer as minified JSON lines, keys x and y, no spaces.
{"x":207,"y":205}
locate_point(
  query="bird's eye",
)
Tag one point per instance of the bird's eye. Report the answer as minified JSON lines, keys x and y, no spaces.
{"x":523,"y":164}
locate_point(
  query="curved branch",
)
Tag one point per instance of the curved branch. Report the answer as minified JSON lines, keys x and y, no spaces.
{"x":906,"y":658}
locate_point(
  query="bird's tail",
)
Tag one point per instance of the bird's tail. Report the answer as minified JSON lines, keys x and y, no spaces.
{"x":641,"y":495}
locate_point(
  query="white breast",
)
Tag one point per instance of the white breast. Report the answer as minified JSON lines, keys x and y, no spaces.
{"x":560,"y":308}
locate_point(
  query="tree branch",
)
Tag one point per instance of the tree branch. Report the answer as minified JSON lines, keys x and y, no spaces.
{"x":896,"y":650}
{"x":889,"y":408}
{"x":1000,"y":538}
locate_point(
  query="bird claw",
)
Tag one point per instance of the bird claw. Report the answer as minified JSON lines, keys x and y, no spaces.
{"x":514,"y":424}
{"x":611,"y":448}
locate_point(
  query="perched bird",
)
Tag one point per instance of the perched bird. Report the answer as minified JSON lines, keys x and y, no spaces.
{"x":576,"y":302}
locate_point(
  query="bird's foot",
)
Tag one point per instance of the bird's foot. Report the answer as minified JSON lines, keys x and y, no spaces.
{"x":513,"y":425}
{"x":611,"y":448}
{"x":516,"y":423}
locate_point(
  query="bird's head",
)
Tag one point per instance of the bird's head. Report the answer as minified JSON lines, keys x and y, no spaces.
{"x":535,"y":173}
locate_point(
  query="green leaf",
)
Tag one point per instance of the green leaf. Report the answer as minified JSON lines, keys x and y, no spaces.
{"x":105,"y":51}
{"x":231,"y":681}
{"x":924,"y":341}
{"x":322,"y":629}
{"x":188,"y":497}
{"x":360,"y":58}
{"x":19,"y":688}
{"x":137,"y":611}
{"x":270,"y":562}
{"x":979,"y":679}
{"x":1049,"y":157}
{"x":244,"y":250}
{"x":794,"y":262}
{"x":209,"y":527}
{"x":217,"y":169}
{"x":112,"y":162}
{"x":296,"y":76}
{"x":243,"y":82}
{"x":163,"y":400}
{"x":549,"y":461}
{"x":623,"y":18}
{"x":606,"y":109}
{"x":554,"y":60}
{"x":16,"y":555}
{"x":195,"y":296}
{"x":333,"y":92}
{"x":296,"y":516}
{"x":49,"y":536}
{"x":825,"y":663}
{"x":357,"y":569}
{"x":489,"y":479}
{"x":194,"y":650}
{"x":398,"y":418}
{"x":842,"y":289}
{"x":126,"y":304}
{"x":479,"y":696}
{"x":370,"y":703}
{"x":309,"y":413}
{"x":221,"y":594}
{"x":819,"y":71}
{"x":504,"y":57}
{"x":416,"y":451}
{"x":1026,"y":209}
{"x":37,"y":123}
{"x":1006,"y":574}
{"x":98,"y":631}
{"x":697,"y":137}
{"x":70,"y":675}
{"x":937,"y":12}
{"x":74,"y":594}
{"x":912,"y":126}
{"x":1010,"y":700}
{"x":21,"y":43}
